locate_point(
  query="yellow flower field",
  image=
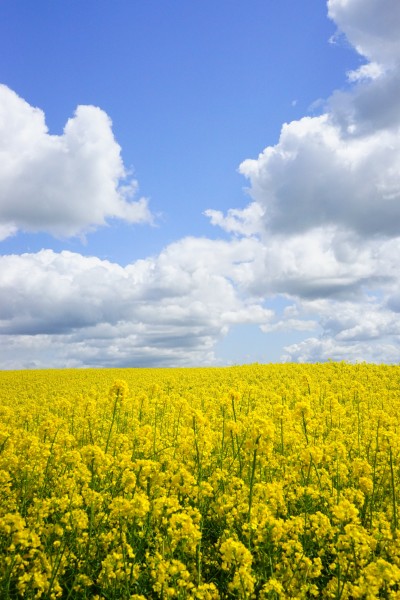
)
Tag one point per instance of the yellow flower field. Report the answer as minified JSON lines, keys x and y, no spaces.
{"x":275,"y":481}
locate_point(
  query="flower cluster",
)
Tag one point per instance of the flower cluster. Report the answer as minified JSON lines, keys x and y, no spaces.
{"x":261,"y":481}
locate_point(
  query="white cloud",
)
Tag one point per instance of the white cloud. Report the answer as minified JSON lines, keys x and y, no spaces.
{"x":326,"y":205}
{"x":368,"y":71}
{"x":318,"y":350}
{"x":68,"y":310}
{"x":363,"y":329}
{"x":322,"y":263}
{"x":63,"y":184}
{"x":342,"y":168}
{"x":371,"y":26}
{"x":316,"y":176}
{"x":247,"y":221}
{"x":7,"y":231}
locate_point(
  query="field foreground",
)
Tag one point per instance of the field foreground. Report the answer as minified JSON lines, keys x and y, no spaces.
{"x":275,"y":481}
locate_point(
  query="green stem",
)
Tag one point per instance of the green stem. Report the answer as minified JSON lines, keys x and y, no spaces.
{"x":394,"y":522}
{"x":112,"y":420}
{"x":252,"y":475}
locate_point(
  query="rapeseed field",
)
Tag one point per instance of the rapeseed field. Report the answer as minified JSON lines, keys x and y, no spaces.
{"x":274,"y":481}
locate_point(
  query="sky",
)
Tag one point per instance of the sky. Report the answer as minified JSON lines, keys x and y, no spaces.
{"x":199,"y":183}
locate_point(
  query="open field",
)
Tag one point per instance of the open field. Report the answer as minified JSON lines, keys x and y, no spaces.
{"x":276,"y":481}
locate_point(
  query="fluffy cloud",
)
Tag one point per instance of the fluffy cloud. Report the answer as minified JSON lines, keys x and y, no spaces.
{"x":68,"y":310}
{"x":322,"y":349}
{"x":341,"y":168}
{"x":357,"y":331}
{"x":316,"y":176}
{"x":62,"y":184}
{"x":63,"y":309}
{"x":247,"y":221}
{"x":371,"y":26}
{"x":326,"y":205}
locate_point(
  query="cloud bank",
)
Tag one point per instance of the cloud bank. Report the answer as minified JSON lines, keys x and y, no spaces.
{"x":165,"y":311}
{"x":65,"y":184}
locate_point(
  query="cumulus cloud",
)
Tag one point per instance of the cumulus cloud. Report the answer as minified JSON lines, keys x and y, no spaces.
{"x":354,"y":331}
{"x":326,"y":204}
{"x":322,"y":349}
{"x":371,"y":26}
{"x":342,"y":168}
{"x":316,"y":176}
{"x":368,"y":71}
{"x":246,"y":221}
{"x":64,"y":184}
{"x":63,"y":309}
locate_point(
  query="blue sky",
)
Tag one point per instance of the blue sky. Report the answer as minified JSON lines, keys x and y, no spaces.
{"x":226,"y":192}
